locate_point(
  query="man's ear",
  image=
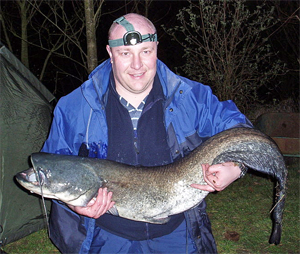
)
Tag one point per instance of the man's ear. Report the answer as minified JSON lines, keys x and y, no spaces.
{"x":108,"y":49}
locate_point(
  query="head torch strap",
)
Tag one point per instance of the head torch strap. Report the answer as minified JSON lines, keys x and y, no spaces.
{"x":132,"y":37}
{"x":120,"y":42}
{"x":123,"y":22}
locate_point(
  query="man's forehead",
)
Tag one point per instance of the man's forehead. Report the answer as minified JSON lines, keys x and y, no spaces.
{"x":141,"y":47}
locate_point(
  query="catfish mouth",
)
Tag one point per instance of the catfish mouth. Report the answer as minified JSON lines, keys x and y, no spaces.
{"x":32,"y":176}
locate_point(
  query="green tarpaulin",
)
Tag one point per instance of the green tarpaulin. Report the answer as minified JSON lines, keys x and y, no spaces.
{"x":25,"y":118}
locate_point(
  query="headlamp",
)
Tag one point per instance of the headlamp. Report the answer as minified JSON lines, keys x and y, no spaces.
{"x":132,"y":37}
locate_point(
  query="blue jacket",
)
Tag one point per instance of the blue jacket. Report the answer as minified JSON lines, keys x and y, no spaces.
{"x":192,"y":114}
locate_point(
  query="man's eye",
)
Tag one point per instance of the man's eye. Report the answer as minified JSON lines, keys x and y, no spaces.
{"x":125,"y":53}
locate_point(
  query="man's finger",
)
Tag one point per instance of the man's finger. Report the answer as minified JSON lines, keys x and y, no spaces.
{"x":203,"y":187}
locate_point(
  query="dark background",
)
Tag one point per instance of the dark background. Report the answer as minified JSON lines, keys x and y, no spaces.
{"x":284,"y":41}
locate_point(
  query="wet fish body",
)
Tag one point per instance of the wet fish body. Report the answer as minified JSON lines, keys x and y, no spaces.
{"x":151,"y":194}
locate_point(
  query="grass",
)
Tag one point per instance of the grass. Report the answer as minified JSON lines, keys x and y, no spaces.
{"x":36,"y":243}
{"x":243,"y":208}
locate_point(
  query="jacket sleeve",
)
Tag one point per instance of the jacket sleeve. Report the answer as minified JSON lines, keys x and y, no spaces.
{"x":214,"y":116}
{"x":56,"y":141}
{"x":69,"y":123}
{"x":199,"y":112}
{"x":195,"y":114}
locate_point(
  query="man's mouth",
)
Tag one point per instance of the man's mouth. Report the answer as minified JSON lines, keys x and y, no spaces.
{"x":137,"y":75}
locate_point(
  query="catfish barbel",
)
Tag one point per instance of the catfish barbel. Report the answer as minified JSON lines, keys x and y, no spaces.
{"x":151,"y":194}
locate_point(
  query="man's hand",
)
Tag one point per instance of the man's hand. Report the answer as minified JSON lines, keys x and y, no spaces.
{"x":218,"y":176}
{"x":96,"y":207}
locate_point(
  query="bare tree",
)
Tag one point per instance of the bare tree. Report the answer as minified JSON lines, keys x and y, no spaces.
{"x":226,"y":46}
{"x":90,"y":35}
{"x":62,"y":31}
{"x":4,"y":29}
{"x":141,"y":7}
{"x":26,"y":13}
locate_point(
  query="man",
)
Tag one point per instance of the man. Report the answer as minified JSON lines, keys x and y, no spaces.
{"x":134,"y":110}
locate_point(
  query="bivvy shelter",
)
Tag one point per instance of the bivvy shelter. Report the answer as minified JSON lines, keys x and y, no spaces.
{"x":25,"y":118}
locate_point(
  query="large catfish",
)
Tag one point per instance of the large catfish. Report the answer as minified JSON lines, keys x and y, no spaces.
{"x":151,"y":194}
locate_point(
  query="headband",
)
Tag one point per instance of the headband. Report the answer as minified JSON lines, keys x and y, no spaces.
{"x":132,"y":37}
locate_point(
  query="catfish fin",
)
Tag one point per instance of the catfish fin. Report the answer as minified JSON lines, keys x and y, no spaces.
{"x":158,"y":220}
{"x":113,"y":211}
{"x":258,"y":162}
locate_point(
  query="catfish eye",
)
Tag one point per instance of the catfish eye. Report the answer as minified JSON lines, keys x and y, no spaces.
{"x":31,"y":177}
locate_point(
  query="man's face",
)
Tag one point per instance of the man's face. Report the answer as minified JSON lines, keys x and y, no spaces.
{"x":134,"y":67}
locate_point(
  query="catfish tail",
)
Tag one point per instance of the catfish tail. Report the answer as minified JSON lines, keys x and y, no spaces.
{"x":259,"y":152}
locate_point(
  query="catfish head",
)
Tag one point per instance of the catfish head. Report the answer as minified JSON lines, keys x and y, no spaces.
{"x":60,"y":178}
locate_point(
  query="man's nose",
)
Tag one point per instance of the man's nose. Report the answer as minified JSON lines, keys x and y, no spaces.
{"x":136,"y":62}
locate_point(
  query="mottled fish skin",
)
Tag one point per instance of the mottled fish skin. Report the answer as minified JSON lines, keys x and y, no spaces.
{"x":151,"y":194}
{"x":260,"y":153}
